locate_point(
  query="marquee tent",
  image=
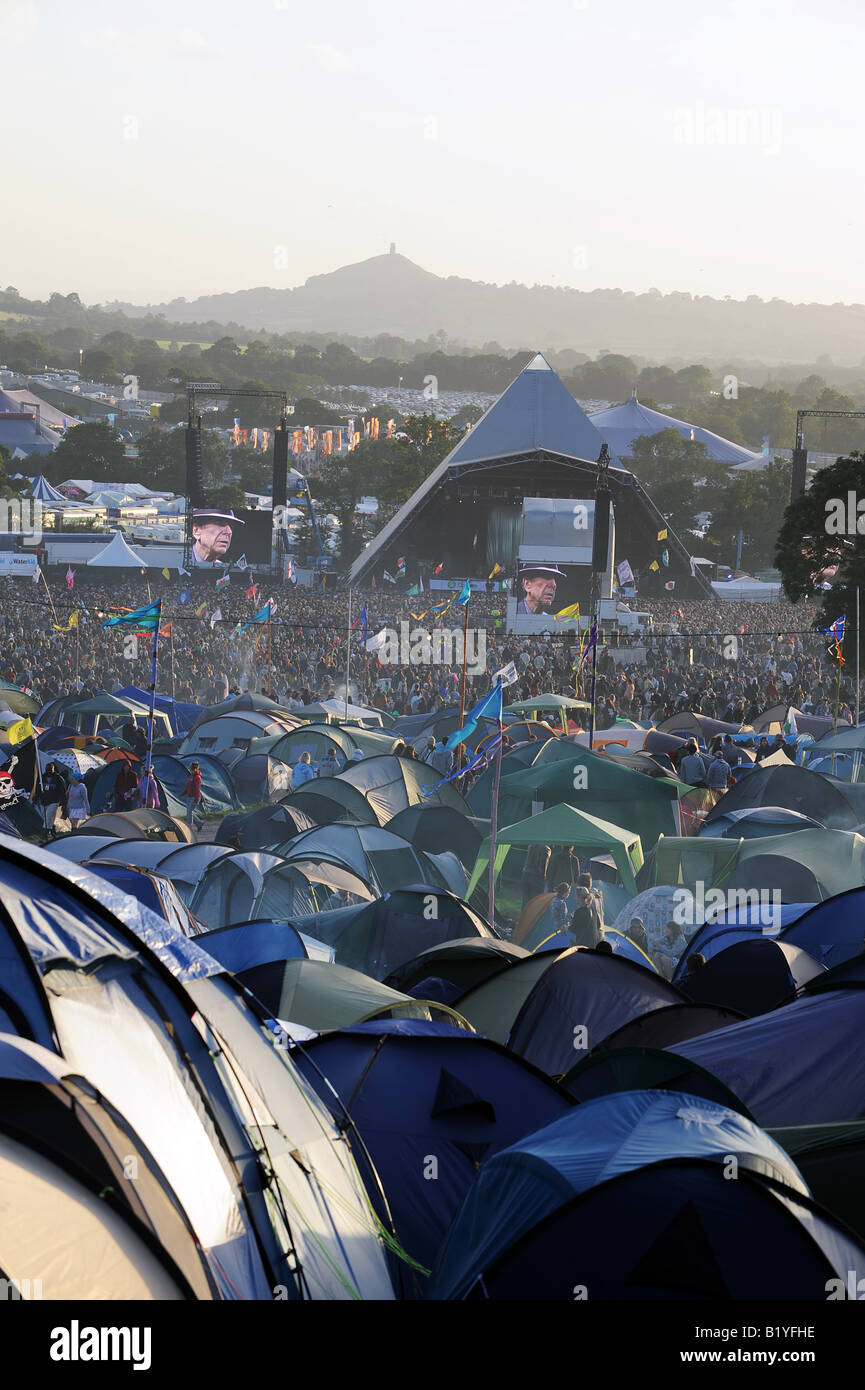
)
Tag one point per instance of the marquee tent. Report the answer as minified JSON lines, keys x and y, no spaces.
{"x":565,"y":825}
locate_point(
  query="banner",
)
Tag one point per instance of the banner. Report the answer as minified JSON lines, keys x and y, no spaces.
{"x":624,"y":573}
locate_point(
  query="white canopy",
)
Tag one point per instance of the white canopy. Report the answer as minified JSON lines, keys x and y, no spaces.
{"x":118,"y":555}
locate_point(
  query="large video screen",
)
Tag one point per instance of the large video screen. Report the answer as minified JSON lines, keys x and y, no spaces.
{"x":222,"y":536}
{"x":544,"y":587}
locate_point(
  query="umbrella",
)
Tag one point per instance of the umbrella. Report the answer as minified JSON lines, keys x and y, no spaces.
{"x":74,"y":759}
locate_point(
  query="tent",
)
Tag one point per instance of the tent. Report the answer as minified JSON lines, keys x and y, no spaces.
{"x":246,"y":884}
{"x":236,"y":730}
{"x":327,"y":800}
{"x":805,"y":866}
{"x":611,"y":1069}
{"x":800,"y":1064}
{"x":142,"y":1015}
{"x":831,"y":931}
{"x":438,"y":828}
{"x":321,"y":996}
{"x":380,"y":936}
{"x":253,"y":944}
{"x":459,"y":1098}
{"x":620,"y":1199}
{"x":620,"y":425}
{"x":698,"y":726}
{"x":254,"y":829}
{"x":750,"y":824}
{"x":464,"y":963}
{"x":595,"y":783}
{"x":566,"y":825}
{"x":379,"y":858}
{"x":259,"y":777}
{"x":218,"y":794}
{"x":583,"y":998}
{"x":181,"y":713}
{"x":392,"y":784}
{"x":141,"y":824}
{"x":117,"y":554}
{"x":669,"y":1025}
{"x":338,"y":711}
{"x":830,"y":1159}
{"x":751,"y":976}
{"x":814,"y":724}
{"x":794,"y":789}
{"x":740,"y":923}
{"x":492,"y":1006}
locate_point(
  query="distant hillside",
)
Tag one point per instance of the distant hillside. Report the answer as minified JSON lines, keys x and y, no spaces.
{"x":390,"y":294}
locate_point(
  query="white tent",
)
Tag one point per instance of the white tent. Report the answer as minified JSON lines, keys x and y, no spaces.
{"x":118,"y":555}
{"x":746,"y":589}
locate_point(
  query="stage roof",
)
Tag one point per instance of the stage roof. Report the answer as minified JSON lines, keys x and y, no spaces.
{"x":622,"y":424}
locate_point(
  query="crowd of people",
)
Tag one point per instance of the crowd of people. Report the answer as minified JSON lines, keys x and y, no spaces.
{"x":728,"y":661}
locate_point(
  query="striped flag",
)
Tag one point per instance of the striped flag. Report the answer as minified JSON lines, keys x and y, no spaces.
{"x":142,"y":619}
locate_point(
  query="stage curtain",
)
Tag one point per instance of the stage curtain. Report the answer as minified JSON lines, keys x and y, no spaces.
{"x":503,"y":536}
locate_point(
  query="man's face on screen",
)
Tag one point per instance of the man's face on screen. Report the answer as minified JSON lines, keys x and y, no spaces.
{"x":212,"y":539}
{"x":540,"y":591}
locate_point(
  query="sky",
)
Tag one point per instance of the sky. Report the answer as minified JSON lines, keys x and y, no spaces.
{"x":175,"y":149}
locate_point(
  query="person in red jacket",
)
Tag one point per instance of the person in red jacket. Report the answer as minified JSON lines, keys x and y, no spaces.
{"x":192,"y":792}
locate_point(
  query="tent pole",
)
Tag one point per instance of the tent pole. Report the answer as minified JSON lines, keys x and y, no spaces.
{"x":463,"y":683}
{"x":148,"y":766}
{"x":348,"y":652}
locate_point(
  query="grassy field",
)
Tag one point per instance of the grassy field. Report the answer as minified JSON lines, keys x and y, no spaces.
{"x":165,"y":343}
{"x":8,"y":314}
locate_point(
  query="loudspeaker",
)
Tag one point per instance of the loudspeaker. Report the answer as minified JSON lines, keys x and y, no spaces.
{"x":194,"y":472}
{"x":797,"y":477}
{"x":601,"y":535}
{"x":280,"y":466}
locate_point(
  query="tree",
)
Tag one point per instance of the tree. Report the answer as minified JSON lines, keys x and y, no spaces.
{"x":162,"y":459}
{"x":252,"y":467}
{"x":821,"y":530}
{"x":99,"y":365}
{"x":669,"y":466}
{"x":229,"y":495}
{"x":753,"y":503}
{"x":88,"y":451}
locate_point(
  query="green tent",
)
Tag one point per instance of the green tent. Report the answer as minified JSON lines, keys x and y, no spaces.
{"x":492,"y":1007}
{"x":539,"y":706}
{"x":320,"y":995}
{"x":830,"y":1159}
{"x":594,"y":783}
{"x":565,"y":825}
{"x":826,"y":861}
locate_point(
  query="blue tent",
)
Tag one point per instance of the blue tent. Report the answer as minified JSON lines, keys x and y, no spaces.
{"x":742,"y":924}
{"x":253,"y":945}
{"x":582,"y":998}
{"x":621,"y":1198}
{"x":832,"y":931}
{"x":430,"y":1110}
{"x":751,"y":976}
{"x":181,"y":713}
{"x":671,"y":1025}
{"x":622,"y":424}
{"x":801,"y":1064}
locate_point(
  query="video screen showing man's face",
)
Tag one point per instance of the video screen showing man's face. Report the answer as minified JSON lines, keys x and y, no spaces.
{"x":539,"y":592}
{"x":211,"y":537}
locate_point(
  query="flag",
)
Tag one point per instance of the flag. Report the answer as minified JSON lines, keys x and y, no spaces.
{"x":572,"y":611}
{"x":464,"y":594}
{"x":654,"y":566}
{"x":70,"y":578}
{"x":223,"y":581}
{"x":590,"y":642}
{"x":289,"y":572}
{"x":251,"y":591}
{"x":242,"y":564}
{"x":662,"y":535}
{"x":790,"y":726}
{"x":670,"y":585}
{"x":624,"y":573}
{"x":363,"y":625}
{"x":375,"y":644}
{"x":665,"y":558}
{"x":389,"y":577}
{"x":439,"y":567}
{"x":835,"y":629}
{"x":201,"y":609}
{"x":165,"y":631}
{"x":262,"y":616}
{"x":215,"y":617}
{"x":497,"y":569}
{"x":166,"y":573}
{"x":508,"y":675}
{"x":400,"y":567}
{"x":142,"y":619}
{"x":184,"y":596}
{"x":181,"y":570}
{"x":475,"y":542}
{"x":412,"y":592}
{"x":73,"y":622}
{"x":490,"y":707}
{"x":17,"y":732}
{"x":37,"y":575}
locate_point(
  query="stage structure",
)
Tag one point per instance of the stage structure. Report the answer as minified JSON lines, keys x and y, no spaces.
{"x":196,"y":497}
{"x":534,"y":442}
{"x":798,"y":478}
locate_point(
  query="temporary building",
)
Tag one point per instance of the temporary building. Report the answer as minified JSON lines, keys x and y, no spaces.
{"x":328,"y":800}
{"x":620,"y":425}
{"x":750,"y":824}
{"x":583,"y":998}
{"x":181,"y":714}
{"x":145,"y":1017}
{"x":253,"y":944}
{"x":814,"y":724}
{"x":258,"y":777}
{"x":118,"y":554}
{"x":218,"y":792}
{"x":698,"y":726}
{"x":746,"y":921}
{"x":140,"y":824}
{"x":492,"y":1006}
{"x":830,"y":1159}
{"x":621,"y":1198}
{"x":565,"y":825}
{"x":459,"y":1099}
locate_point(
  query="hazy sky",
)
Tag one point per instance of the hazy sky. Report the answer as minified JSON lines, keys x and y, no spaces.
{"x":160,"y":149}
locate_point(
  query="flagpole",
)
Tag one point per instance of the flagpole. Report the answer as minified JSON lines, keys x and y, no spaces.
{"x":77,"y":644}
{"x":857,"y":653}
{"x":148,"y":766}
{"x":348,"y":653}
{"x":269,"y":614}
{"x":594,"y":672}
{"x":494,"y":819}
{"x":463,"y":682}
{"x":48,"y":592}
{"x":171,"y":653}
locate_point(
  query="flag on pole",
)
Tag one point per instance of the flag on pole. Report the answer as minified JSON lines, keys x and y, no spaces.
{"x":242,"y":563}
{"x":665,"y":558}
{"x":17,"y":732}
{"x":572,"y":611}
{"x":215,"y":617}
{"x":670,"y":585}
{"x":654,"y":566}
{"x":166,"y":573}
{"x":400,"y":567}
{"x":389,"y":577}
{"x":262,"y":616}
{"x":70,"y":578}
{"x":201,"y":609}
{"x":184,"y":596}
{"x":464,"y":594}
{"x":590,"y":643}
{"x":475,"y":541}
{"x":142,"y":619}
{"x":508,"y":675}
{"x":662,"y":535}
{"x":165,"y":631}
{"x":439,"y":567}
{"x":181,"y":570}
{"x":490,"y":707}
{"x":37,"y":575}
{"x":496,"y":569}
{"x":790,"y":726}
{"x":73,"y":622}
{"x":374,"y":644}
{"x":251,"y":591}
{"x":223,"y":581}
{"x":289,"y":571}
{"x":363,"y":625}
{"x":412,"y":592}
